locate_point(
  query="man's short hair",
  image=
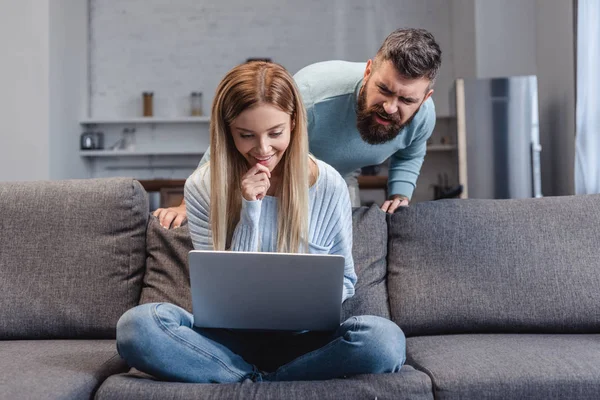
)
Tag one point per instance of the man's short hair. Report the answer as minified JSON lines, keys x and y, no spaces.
{"x":414,"y":53}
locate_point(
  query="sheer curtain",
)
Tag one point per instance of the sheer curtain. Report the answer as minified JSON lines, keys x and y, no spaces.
{"x":587,"y":143}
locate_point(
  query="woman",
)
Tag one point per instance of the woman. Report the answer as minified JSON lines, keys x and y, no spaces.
{"x":261,"y":192}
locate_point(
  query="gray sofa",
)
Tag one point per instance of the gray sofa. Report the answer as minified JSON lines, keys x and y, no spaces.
{"x":498,"y":299}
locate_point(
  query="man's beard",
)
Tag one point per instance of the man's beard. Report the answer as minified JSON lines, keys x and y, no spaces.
{"x":370,"y":130}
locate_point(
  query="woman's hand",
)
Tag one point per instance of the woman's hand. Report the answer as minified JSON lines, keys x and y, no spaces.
{"x":256,"y":182}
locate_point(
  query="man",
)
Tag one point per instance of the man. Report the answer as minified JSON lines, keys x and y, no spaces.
{"x":360,"y":115}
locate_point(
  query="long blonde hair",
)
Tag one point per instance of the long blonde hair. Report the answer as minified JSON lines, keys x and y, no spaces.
{"x":244,"y":87}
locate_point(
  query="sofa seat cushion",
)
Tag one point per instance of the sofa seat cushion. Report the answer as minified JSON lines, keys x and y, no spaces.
{"x":509,"y":366}
{"x":56,"y":369}
{"x":409,"y":384}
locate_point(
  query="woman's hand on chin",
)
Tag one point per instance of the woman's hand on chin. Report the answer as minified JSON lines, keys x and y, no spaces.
{"x":256,"y":182}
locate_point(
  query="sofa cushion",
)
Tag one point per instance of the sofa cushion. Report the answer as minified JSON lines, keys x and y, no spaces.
{"x":409,"y":384}
{"x":72,"y":256}
{"x":468,"y":266}
{"x":56,"y":369}
{"x":167,"y":269}
{"x":369,"y":251}
{"x":509,"y":366}
{"x":167,"y":277}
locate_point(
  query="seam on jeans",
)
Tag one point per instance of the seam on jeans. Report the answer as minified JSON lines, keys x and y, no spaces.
{"x":192,"y":346}
{"x":283,"y":368}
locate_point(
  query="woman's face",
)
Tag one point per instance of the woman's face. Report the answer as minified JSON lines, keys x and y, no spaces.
{"x":262,"y":135}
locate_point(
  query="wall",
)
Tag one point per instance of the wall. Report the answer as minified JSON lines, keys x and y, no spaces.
{"x":555,"y":58}
{"x":506,"y":38}
{"x":185,"y":45}
{"x":68,"y":67}
{"x":43,"y":74}
{"x":24,"y":82}
{"x":464,"y":34}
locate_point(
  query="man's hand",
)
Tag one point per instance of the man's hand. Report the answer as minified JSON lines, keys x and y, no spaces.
{"x":394,"y":202}
{"x":171,"y":217}
{"x":256,"y":182}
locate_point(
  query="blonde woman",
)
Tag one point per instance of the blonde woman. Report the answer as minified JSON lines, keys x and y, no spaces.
{"x":261,"y":191}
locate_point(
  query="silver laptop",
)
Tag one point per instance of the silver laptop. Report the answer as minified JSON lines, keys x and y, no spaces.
{"x":272,"y":291}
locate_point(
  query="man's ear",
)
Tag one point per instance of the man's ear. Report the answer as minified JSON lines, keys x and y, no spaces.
{"x":368,"y":70}
{"x":428,"y":95}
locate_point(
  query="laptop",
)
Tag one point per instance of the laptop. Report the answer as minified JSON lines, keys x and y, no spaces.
{"x":266,"y":291}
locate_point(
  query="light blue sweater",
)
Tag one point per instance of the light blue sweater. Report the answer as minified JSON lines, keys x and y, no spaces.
{"x":330,"y":219}
{"x":329,"y":92}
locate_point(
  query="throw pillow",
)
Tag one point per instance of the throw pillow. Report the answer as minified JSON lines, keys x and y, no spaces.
{"x":167,"y":276}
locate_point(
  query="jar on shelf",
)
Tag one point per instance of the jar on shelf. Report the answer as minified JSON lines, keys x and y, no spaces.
{"x":196,"y":104}
{"x":147,"y":101}
{"x":91,"y":140}
{"x":86,"y":141}
{"x":99,"y":139}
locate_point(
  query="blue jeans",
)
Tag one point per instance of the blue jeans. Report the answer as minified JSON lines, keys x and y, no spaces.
{"x":160,"y":339}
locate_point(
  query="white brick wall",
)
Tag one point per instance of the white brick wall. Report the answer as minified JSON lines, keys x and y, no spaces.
{"x":175,"y":47}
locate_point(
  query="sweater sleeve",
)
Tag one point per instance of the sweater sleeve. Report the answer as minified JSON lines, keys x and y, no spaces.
{"x":307,"y":99}
{"x":205,"y":157}
{"x":245,"y":236}
{"x":197,"y":200}
{"x":405,"y":164}
{"x":342,"y":243}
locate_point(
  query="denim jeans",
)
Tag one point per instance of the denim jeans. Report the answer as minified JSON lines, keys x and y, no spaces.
{"x":160,"y":339}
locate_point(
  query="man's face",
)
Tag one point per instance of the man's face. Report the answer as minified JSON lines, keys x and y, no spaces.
{"x":388,"y":102}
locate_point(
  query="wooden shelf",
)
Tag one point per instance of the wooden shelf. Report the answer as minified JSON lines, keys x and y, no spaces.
{"x":372,"y":181}
{"x":445,"y":116}
{"x":441,"y":147}
{"x":144,"y":120}
{"x":131,"y":153}
{"x":155,"y":185}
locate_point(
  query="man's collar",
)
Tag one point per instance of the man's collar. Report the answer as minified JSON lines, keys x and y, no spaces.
{"x":357,"y":88}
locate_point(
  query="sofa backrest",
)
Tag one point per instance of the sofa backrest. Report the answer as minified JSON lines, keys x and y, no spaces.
{"x":167,"y":273}
{"x":72,"y":255}
{"x":369,"y":252}
{"x":469,"y":266}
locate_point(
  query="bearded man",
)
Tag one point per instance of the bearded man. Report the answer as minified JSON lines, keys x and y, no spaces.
{"x":360,"y":115}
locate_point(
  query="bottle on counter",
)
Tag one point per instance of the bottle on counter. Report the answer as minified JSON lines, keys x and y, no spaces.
{"x":147,"y":101}
{"x":196,"y":104}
